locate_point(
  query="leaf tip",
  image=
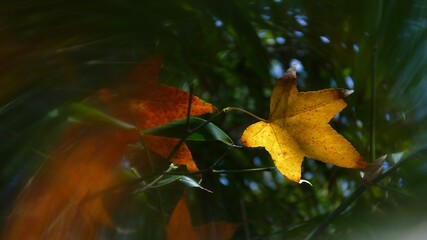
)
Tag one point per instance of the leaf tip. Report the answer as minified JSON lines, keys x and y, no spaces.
{"x":346,"y":92}
{"x":292,"y":71}
{"x":372,"y":170}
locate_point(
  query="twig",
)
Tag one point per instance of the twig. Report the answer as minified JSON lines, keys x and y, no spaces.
{"x":245,"y":219}
{"x":152,"y":183}
{"x":169,"y":172}
{"x":190,"y":98}
{"x":212,"y":169}
{"x":222,"y":171}
{"x":174,"y":151}
{"x":244,"y":170}
{"x":209,"y":169}
{"x":373,"y":106}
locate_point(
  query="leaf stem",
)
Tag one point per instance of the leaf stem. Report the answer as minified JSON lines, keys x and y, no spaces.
{"x":244,"y":170}
{"x":222,"y":171}
{"x":227,"y":109}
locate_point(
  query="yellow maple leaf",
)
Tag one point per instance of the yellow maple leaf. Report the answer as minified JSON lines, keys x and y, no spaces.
{"x":298,"y":127}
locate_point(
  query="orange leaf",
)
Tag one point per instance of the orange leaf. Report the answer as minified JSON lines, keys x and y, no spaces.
{"x":298,"y":127}
{"x":160,"y":104}
{"x":180,"y":226}
{"x":163,"y":147}
{"x":52,"y":205}
{"x":55,"y":204}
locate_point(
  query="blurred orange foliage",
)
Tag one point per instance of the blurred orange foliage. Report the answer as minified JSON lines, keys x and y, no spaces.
{"x":59,"y":202}
{"x":181,"y":227}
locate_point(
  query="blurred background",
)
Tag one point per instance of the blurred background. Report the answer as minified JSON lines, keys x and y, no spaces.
{"x":54,"y":53}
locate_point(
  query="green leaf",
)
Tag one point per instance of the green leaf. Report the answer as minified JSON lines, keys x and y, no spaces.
{"x":192,"y":183}
{"x":189,"y":181}
{"x":86,"y":113}
{"x":177,"y":129}
{"x":167,"y":180}
{"x":184,"y":179}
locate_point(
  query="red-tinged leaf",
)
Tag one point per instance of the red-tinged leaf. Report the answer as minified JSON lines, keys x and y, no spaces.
{"x":155,"y":104}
